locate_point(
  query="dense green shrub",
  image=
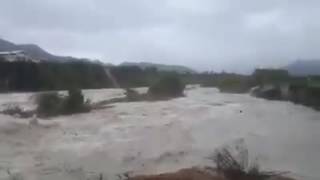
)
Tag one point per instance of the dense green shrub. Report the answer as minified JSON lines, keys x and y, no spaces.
{"x":75,"y":103}
{"x":234,"y":84}
{"x":305,"y":94}
{"x":49,"y":104}
{"x":52,"y":104}
{"x":168,"y":86}
{"x":270,"y":76}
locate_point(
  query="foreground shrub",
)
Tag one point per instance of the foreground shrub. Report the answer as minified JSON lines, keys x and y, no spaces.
{"x":52,"y":104}
{"x":238,"y":167}
{"x":169,"y":86}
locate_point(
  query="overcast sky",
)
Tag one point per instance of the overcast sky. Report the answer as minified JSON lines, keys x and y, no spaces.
{"x":234,"y":35}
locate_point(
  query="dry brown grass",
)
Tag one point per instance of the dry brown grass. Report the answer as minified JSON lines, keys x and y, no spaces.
{"x":191,"y":174}
{"x":184,"y":174}
{"x":229,"y":166}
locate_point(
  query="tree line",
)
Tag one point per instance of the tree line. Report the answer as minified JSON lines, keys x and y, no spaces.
{"x":31,"y":76}
{"x":43,"y":76}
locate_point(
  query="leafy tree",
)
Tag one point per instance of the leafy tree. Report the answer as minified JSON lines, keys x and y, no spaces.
{"x":168,"y":86}
{"x":49,"y":104}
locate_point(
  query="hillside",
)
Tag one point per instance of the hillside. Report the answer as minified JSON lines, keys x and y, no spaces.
{"x":160,"y":67}
{"x":35,"y":52}
{"x":304,"y":67}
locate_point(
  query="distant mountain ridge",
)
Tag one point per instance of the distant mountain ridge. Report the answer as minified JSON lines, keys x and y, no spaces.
{"x":160,"y":67}
{"x":304,"y":67}
{"x":32,"y":50}
{"x":37,"y":53}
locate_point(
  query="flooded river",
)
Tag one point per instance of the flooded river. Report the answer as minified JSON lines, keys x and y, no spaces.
{"x":153,"y":137}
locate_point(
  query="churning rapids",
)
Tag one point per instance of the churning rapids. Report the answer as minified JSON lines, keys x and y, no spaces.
{"x":153,"y":137}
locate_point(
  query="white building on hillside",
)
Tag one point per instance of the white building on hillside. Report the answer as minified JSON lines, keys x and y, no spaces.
{"x":12,"y":56}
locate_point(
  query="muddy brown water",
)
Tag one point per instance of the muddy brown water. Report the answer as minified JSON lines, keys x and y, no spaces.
{"x":157,"y":137}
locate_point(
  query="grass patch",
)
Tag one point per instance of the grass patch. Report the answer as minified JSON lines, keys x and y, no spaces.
{"x":132,"y":95}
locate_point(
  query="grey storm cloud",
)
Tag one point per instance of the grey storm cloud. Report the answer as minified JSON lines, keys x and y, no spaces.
{"x":205,"y":34}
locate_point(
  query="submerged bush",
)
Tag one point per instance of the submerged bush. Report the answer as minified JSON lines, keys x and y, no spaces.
{"x":17,"y":111}
{"x":52,"y":104}
{"x":49,"y":104}
{"x":169,"y":86}
{"x":75,"y":103}
{"x":132,"y":95}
